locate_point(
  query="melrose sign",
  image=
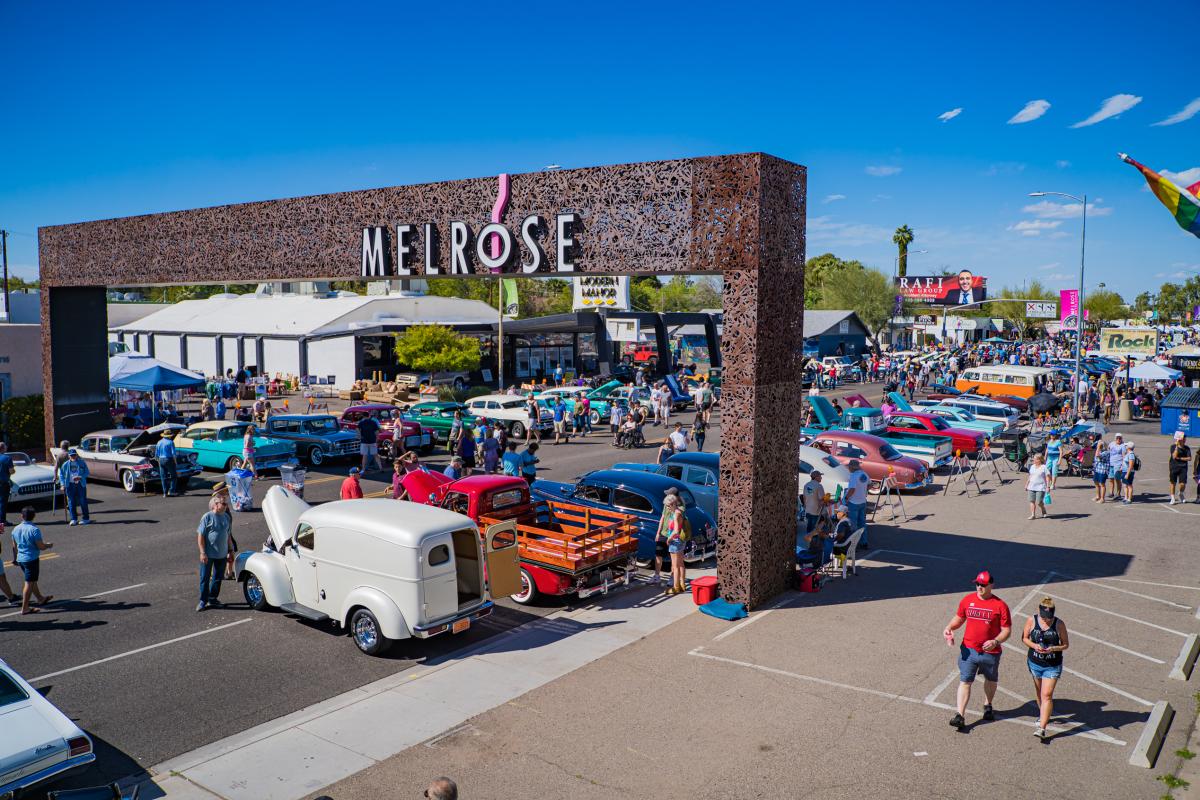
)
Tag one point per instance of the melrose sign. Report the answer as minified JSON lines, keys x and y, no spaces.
{"x":492,"y":248}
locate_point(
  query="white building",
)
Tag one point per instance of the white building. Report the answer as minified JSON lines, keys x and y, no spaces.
{"x":340,"y":337}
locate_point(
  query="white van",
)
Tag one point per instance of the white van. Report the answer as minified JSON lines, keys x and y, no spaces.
{"x":383,"y":569}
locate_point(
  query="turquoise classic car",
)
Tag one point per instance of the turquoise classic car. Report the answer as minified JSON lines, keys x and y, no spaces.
{"x":218,"y":445}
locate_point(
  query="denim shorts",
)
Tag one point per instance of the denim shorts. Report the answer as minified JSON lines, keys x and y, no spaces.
{"x":1036,"y":495}
{"x":1113,"y":472}
{"x":971,"y":662}
{"x":30,"y":569}
{"x":675,"y":546}
{"x":1040,"y":671}
{"x":1098,"y":478}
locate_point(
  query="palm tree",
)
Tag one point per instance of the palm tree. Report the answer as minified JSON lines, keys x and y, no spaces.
{"x":903,"y":238}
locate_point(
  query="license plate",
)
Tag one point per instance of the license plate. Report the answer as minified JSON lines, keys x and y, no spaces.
{"x":425,"y":439}
{"x":412,"y":440}
{"x":461,"y":625}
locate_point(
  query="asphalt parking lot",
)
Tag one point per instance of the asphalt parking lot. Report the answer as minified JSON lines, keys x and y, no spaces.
{"x":122,"y":651}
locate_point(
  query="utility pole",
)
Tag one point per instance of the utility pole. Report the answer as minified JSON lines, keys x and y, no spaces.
{"x":4,"y":258}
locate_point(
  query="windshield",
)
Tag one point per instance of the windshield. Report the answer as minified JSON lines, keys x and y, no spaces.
{"x":388,"y":414}
{"x":10,"y":692}
{"x":888,"y":452}
{"x":20,"y":459}
{"x":940,"y":424}
{"x":233,"y":432}
{"x":321,"y":425}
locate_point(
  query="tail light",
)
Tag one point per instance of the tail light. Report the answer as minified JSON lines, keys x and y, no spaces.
{"x":80,"y":745}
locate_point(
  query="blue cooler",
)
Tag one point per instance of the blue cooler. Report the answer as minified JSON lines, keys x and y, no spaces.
{"x":240,"y":483}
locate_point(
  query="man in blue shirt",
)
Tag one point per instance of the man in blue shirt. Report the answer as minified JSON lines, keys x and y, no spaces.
{"x":558,"y":375}
{"x":560,"y":420}
{"x":368,"y":434}
{"x":529,"y":462}
{"x":7,"y":468}
{"x":27,"y":539}
{"x":512,"y":461}
{"x":164,"y":451}
{"x":455,"y":469}
{"x":72,"y":476}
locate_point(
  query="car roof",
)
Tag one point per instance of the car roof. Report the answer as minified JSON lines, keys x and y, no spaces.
{"x":301,"y":416}
{"x":115,"y":432}
{"x":396,"y":521}
{"x":853,"y":436}
{"x":499,"y":398}
{"x":486,"y":482}
{"x":712,"y":460}
{"x":368,"y":407}
{"x":216,"y":424}
{"x":643,"y":480}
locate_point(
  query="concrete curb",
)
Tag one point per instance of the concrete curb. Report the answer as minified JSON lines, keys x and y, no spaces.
{"x":1145,"y":752}
{"x":1187,"y":658}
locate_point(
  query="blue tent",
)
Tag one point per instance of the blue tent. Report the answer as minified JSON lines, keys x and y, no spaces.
{"x":160,"y":377}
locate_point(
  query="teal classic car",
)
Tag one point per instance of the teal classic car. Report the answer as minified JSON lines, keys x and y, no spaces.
{"x":438,"y":417}
{"x":218,"y":445}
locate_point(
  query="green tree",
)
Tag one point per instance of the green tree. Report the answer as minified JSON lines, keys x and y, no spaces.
{"x":1013,"y":312}
{"x":1143,"y":303}
{"x":902,"y":238}
{"x":436,"y":348}
{"x":1171,"y":303}
{"x":821,"y":270}
{"x":868,"y":292}
{"x":1104,"y":306}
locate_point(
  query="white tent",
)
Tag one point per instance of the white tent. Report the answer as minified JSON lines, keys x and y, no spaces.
{"x":1149,"y":371}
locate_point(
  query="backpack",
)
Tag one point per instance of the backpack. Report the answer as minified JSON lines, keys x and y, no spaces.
{"x":685,"y":531}
{"x":1137,"y":463}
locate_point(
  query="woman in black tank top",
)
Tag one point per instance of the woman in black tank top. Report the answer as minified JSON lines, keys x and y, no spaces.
{"x":1046,"y":637}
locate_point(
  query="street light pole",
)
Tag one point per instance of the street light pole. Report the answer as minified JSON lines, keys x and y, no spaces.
{"x":1078,"y":311}
{"x":895,"y":273}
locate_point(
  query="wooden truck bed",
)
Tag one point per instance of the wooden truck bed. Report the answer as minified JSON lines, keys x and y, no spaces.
{"x":569,"y":537}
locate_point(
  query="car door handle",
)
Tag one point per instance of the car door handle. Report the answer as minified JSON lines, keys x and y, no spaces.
{"x":312,"y":563}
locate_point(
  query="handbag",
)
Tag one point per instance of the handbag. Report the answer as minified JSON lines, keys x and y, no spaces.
{"x":1047,"y":501}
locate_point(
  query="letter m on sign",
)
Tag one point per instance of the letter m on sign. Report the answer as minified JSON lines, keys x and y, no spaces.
{"x":374,"y":252}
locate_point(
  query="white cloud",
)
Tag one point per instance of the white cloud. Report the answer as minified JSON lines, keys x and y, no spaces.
{"x":831,"y":232}
{"x":1183,"y":115}
{"x":833,"y":198}
{"x":1117,"y":104}
{"x":1183,"y":179}
{"x":1032,"y":110}
{"x":882,"y":171}
{"x":1053,"y":265}
{"x":1048,"y":210}
{"x":951,"y":114}
{"x":1062,"y":163}
{"x":1034,"y":227}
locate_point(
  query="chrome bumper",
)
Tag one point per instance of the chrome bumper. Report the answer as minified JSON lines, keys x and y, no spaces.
{"x":434,"y":628}
{"x":10,"y":790}
{"x":611,"y":577}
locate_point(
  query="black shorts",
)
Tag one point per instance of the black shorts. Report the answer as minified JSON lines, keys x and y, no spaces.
{"x":706,"y":406}
{"x":661,"y":548}
{"x":1178,"y":474}
{"x":32,"y":570}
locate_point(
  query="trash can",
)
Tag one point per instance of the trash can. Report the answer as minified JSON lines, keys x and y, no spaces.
{"x":704,"y":589}
{"x":291,"y":475}
{"x":240,"y":483}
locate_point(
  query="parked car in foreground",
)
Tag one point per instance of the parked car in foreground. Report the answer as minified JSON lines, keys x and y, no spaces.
{"x":834,"y":475}
{"x":699,"y":471}
{"x":382,"y":569}
{"x":218,"y":445}
{"x":878,"y":458}
{"x":38,"y":743}
{"x":640,"y":494}
{"x":31,"y":481}
{"x":317,"y":437}
{"x":126,"y":456}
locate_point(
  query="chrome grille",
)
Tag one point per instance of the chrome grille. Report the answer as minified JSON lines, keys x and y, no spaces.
{"x":36,"y":488}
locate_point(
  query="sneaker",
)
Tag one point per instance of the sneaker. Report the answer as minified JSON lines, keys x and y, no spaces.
{"x":86,"y":522}
{"x":1171,"y":502}
{"x":1031,"y":516}
{"x":200,"y":606}
{"x":1040,"y":733}
{"x":72,"y":522}
{"x":957,"y":721}
{"x":215,"y":603}
{"x":988,"y":714}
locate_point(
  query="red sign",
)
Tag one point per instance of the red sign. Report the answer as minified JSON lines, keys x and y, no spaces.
{"x":962,"y":289}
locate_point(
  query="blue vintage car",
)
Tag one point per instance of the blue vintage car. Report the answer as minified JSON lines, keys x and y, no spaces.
{"x":640,"y":494}
{"x":316,"y":436}
{"x":699,"y":471}
{"x":218,"y":445}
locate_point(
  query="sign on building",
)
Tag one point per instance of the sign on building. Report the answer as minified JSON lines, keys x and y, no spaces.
{"x":1129,"y":341}
{"x":962,"y":289}
{"x":1041,"y":310}
{"x":624,"y":330}
{"x":601,"y":291}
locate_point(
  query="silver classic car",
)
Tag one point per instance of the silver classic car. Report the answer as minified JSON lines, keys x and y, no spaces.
{"x":316,"y":436}
{"x":126,"y":456}
{"x":31,"y":481}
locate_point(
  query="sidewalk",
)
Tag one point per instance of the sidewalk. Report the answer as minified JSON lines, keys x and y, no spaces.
{"x":291,"y":757}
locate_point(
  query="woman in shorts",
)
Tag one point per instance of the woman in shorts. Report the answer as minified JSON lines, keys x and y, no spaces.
{"x":248,"y":451}
{"x":1100,"y":469}
{"x":1037,"y":486}
{"x":1046,"y":637}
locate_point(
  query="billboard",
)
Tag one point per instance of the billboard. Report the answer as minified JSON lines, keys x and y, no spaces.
{"x":962,"y":289}
{"x":593,"y":292}
{"x":1035,"y":310}
{"x":1129,"y":341}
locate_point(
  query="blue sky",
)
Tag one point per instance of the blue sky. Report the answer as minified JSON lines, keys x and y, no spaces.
{"x":118,"y":109}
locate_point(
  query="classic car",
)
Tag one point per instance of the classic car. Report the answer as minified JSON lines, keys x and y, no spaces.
{"x":31,"y":481}
{"x":510,"y":411}
{"x":932,"y":450}
{"x":317,"y":436}
{"x":411,"y":435}
{"x":699,"y":471}
{"x":558,"y":555}
{"x":878,"y":458}
{"x":1019,"y":403}
{"x":126,"y":456}
{"x":957,"y":417}
{"x":601,"y":406}
{"x":438,"y":418}
{"x":218,"y":445}
{"x":38,"y":743}
{"x":983,"y":409}
{"x":834,"y":475}
{"x":961,"y":439}
{"x":383,"y":569}
{"x":639,"y":395}
{"x":640,"y":494}
{"x":847,"y":367}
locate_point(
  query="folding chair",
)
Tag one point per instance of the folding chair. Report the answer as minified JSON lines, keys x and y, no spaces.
{"x":850,"y":552}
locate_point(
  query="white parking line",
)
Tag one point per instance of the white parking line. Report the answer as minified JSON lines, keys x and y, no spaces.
{"x":138,"y":650}
{"x":1077,"y":579}
{"x":1154,"y":583}
{"x":754,"y":617}
{"x":1077,"y":727}
{"x":85,"y":597}
{"x":941,"y":687}
{"x":1076,"y":634}
{"x":1122,"y":616}
{"x":1092,"y":680}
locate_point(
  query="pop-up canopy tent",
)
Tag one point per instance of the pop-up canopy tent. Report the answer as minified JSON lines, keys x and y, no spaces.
{"x":1149,"y":371}
{"x":141,"y":373}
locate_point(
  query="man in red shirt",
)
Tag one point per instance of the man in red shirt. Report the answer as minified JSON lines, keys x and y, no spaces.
{"x":351,"y":488}
{"x":989,"y":625}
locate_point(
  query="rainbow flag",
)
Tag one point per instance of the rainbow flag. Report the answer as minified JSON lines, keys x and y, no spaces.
{"x":1182,"y":203}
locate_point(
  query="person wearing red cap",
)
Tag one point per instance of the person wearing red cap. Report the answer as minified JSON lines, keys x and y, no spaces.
{"x":988,"y":625}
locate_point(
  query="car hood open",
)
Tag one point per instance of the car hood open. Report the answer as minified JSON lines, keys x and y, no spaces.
{"x":282,"y":510}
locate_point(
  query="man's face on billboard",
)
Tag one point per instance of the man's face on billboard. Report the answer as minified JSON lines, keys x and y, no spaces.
{"x":964,"y":281}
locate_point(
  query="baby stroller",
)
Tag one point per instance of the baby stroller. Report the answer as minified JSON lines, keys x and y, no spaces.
{"x":629,"y":438}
